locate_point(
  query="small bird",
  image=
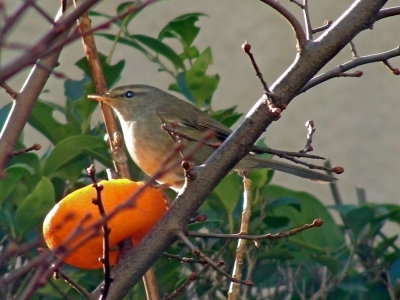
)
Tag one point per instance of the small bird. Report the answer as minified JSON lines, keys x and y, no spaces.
{"x":141,"y":109}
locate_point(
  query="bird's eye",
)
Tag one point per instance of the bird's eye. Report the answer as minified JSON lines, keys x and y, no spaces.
{"x":129,"y":94}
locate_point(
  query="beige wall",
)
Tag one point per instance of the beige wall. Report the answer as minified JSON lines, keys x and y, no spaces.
{"x":357,"y":119}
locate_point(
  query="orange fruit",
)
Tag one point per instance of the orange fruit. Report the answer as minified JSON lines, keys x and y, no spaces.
{"x":76,"y":210}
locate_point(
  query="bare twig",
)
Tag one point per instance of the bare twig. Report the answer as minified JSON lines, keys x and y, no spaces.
{"x":247,"y":49}
{"x":389,"y":12}
{"x":213,"y":265}
{"x":59,"y":273}
{"x":61,"y":26}
{"x":361,"y":60}
{"x":395,"y":71}
{"x":297,"y":3}
{"x":42,"y":12}
{"x":280,"y":235}
{"x":24,"y":102}
{"x":353,"y":50}
{"x":307,"y":20}
{"x":34,"y":147}
{"x":192,"y":277}
{"x":326,"y":25}
{"x":296,"y":26}
{"x":185,"y":260}
{"x":13,"y":94}
{"x":255,"y":149}
{"x":105,"y":259}
{"x":310,"y":132}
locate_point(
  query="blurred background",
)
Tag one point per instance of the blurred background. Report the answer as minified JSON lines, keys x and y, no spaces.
{"x":356,"y":118}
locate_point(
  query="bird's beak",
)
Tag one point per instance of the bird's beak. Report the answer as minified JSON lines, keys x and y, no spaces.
{"x":104,"y":98}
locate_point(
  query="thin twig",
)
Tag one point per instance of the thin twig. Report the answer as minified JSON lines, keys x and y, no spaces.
{"x":388,"y":12}
{"x":13,"y":94}
{"x":296,"y":26}
{"x":24,"y":103}
{"x":185,"y":260}
{"x":297,"y":3}
{"x":34,"y":147}
{"x":42,"y":12}
{"x":192,"y":277}
{"x":247,"y":49}
{"x":353,"y":50}
{"x":361,"y":60}
{"x":395,"y":71}
{"x":59,"y":273}
{"x":307,"y":20}
{"x":279,"y":235}
{"x":31,"y":54}
{"x":196,"y":251}
{"x":105,"y":259}
{"x":326,"y":25}
{"x":255,"y":149}
{"x":310,"y":132}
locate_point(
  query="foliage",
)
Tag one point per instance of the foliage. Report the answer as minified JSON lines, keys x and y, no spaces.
{"x":350,"y":258}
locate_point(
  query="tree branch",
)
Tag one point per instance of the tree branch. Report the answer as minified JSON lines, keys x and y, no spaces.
{"x":296,"y":26}
{"x":56,"y":32}
{"x":24,"y":102}
{"x":389,"y":12}
{"x":358,"y":61}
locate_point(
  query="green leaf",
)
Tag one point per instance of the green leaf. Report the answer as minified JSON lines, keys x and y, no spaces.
{"x":276,"y":253}
{"x":4,"y":112}
{"x":84,"y":107}
{"x":296,"y":204}
{"x":328,"y":261}
{"x":123,"y":41}
{"x":190,"y":53}
{"x":112,"y":73}
{"x":275,"y":222}
{"x":394,"y":272}
{"x":343,"y":209}
{"x":73,"y":89}
{"x":35,"y":206}
{"x":328,"y":236}
{"x":184,"y":27}
{"x":160,"y":48}
{"x":42,"y":120}
{"x":7,"y":223}
{"x":122,"y":8}
{"x":383,"y":246}
{"x":228,"y":194}
{"x":11,"y":181}
{"x":228,"y":191}
{"x":228,"y":116}
{"x":181,"y":87}
{"x":109,"y":17}
{"x":202,"y":86}
{"x":358,"y":218}
{"x":69,"y":153}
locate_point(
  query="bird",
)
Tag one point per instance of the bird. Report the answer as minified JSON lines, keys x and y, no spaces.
{"x":141,"y":109}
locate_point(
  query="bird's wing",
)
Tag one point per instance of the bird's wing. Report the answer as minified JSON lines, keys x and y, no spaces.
{"x":204,"y":124}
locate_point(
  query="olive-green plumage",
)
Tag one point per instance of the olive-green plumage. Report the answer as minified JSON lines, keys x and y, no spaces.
{"x":139,"y":109}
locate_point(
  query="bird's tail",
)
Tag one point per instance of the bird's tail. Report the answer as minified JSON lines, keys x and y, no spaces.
{"x":252,"y":162}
